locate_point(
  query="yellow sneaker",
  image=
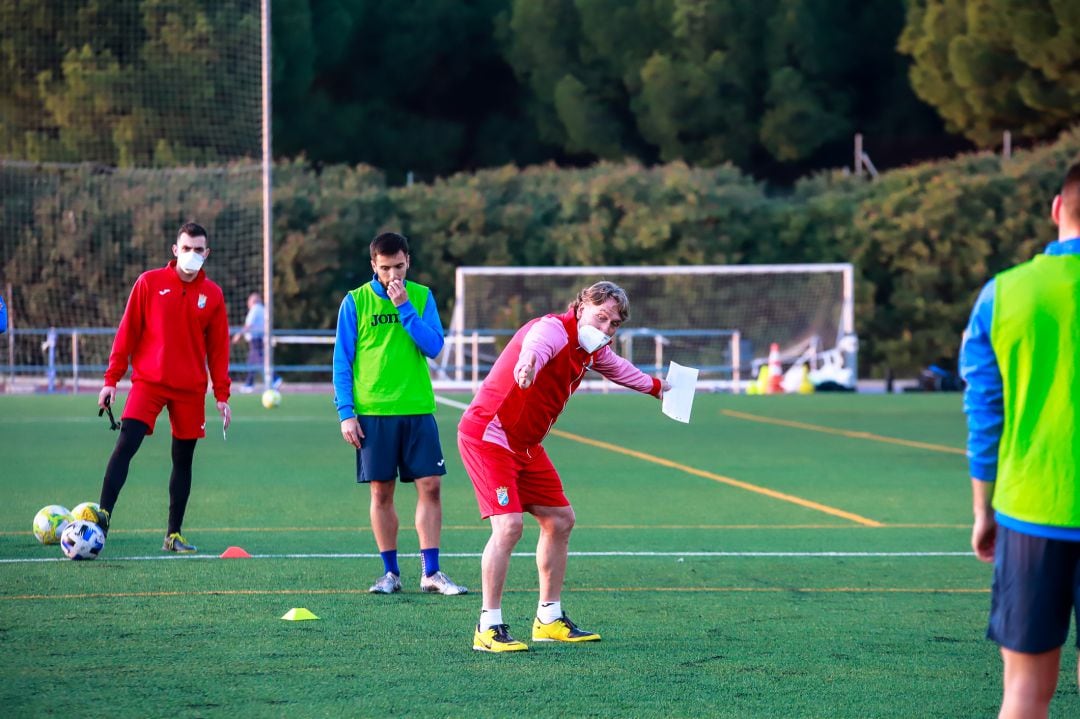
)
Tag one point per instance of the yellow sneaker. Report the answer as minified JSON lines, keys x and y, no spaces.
{"x":561,"y":630}
{"x":497,"y":639}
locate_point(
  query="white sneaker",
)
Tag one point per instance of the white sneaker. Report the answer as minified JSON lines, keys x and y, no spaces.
{"x":386,"y":584}
{"x":439,"y":583}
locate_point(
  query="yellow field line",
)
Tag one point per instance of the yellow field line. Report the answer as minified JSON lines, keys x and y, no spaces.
{"x":533,"y":590}
{"x":842,"y":432}
{"x":699,"y":473}
{"x":486,"y":528}
{"x":858,"y":519}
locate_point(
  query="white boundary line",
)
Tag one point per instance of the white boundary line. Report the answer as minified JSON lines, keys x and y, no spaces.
{"x":477,"y":555}
{"x":451,"y":403}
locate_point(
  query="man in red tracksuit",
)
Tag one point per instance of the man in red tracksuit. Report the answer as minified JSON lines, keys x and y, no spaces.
{"x":174,"y":326}
{"x":499,"y":439}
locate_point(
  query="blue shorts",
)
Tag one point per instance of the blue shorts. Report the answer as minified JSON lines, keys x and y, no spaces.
{"x":406,"y":445}
{"x":1036,"y":591}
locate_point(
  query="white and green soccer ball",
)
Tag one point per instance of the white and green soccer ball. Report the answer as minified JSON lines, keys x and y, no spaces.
{"x":50,"y":522}
{"x":82,"y":540}
{"x":271,"y":398}
{"x":87,"y":511}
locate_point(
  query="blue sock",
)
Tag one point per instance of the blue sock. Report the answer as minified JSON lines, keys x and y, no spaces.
{"x":389,"y":560}
{"x":429,"y":560}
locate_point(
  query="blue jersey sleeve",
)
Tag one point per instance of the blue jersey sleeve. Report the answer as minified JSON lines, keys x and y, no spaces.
{"x":344,"y":355}
{"x":983,"y":397}
{"x":426,"y":331}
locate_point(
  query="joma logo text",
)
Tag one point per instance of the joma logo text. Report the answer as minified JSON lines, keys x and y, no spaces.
{"x":384,"y":320}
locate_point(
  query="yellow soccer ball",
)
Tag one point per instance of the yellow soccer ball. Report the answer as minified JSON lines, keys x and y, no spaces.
{"x":50,"y":522}
{"x":87,"y":511}
{"x":271,"y":398}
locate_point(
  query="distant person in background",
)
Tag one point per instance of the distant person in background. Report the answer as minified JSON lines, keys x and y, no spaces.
{"x":254,"y":324}
{"x":386,"y":330}
{"x":175,"y":325}
{"x":3,"y":315}
{"x":500,"y":437}
{"x":1021,"y":361}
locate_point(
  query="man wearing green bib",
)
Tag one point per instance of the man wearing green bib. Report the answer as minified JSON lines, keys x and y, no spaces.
{"x":386,"y":330}
{"x":1021,"y":361}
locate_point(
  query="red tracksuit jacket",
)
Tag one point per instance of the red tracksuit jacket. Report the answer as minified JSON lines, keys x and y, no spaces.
{"x":170,"y":331}
{"x":527,"y":415}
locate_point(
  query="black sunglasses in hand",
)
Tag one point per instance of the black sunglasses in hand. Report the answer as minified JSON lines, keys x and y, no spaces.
{"x":113,"y":424}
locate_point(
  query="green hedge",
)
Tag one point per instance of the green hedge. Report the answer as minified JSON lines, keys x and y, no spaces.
{"x":923,"y":239}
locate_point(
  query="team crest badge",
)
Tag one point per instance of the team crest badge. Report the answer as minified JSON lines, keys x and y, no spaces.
{"x":502,"y":495}
{"x":202,"y":301}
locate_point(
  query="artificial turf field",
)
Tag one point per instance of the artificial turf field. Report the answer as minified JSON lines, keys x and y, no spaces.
{"x":736,"y":567}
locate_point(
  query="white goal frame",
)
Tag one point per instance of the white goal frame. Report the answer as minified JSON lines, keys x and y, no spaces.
{"x":454,"y":373}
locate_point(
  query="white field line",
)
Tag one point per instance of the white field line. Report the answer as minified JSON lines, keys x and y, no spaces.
{"x":451,"y":403}
{"x":476,"y":555}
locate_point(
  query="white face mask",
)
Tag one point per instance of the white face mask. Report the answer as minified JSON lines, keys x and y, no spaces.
{"x":591,"y":339}
{"x":190,"y":262}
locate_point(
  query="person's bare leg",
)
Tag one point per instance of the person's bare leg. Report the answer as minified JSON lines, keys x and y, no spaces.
{"x":428,"y":511}
{"x":556,"y":523}
{"x":384,"y":518}
{"x":1030,"y":681}
{"x":495,"y":563}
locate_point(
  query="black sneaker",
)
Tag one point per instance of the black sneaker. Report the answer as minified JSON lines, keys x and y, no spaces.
{"x":97,"y":515}
{"x":176,"y":543}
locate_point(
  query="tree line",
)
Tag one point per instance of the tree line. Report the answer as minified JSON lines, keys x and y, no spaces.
{"x":775,"y":87}
{"x":644,"y":128}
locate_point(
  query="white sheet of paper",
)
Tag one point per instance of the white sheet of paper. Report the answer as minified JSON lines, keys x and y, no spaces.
{"x":679,"y":400}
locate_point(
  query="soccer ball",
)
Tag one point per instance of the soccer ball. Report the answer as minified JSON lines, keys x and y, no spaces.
{"x":87,"y":511}
{"x":82,"y":540}
{"x":271,"y":398}
{"x":50,"y":522}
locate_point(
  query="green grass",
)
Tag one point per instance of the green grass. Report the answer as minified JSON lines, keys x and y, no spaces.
{"x":767,"y":630}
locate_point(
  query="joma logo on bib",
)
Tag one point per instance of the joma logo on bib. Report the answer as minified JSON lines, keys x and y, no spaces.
{"x":377,"y":320}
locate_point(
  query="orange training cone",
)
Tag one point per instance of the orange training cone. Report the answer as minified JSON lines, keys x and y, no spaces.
{"x":235,"y":553}
{"x":776,"y":371}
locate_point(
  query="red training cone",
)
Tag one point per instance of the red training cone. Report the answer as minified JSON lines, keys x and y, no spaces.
{"x":235,"y":553}
{"x":776,"y":370}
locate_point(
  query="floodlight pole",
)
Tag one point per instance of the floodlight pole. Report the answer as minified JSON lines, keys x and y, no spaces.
{"x":267,"y":210}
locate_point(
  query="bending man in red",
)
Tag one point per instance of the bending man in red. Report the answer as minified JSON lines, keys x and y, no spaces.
{"x":499,"y":438}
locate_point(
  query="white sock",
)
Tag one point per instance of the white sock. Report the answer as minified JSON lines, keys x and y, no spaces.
{"x":490,"y":618}
{"x":547,"y":612}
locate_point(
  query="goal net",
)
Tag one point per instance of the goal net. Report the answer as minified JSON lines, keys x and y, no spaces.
{"x":720,"y":319}
{"x":133,"y":118}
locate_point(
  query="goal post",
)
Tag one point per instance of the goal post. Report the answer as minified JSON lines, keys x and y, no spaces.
{"x":721,"y":319}
{"x":94,"y":185}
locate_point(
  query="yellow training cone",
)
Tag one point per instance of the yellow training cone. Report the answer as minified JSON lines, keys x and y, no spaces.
{"x":298,"y":614}
{"x":763,"y":379}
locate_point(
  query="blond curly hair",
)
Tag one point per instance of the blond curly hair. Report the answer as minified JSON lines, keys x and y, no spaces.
{"x":601,"y":292}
